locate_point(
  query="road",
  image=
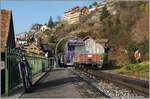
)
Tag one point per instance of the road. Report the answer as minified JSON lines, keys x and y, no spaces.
{"x":62,"y":83}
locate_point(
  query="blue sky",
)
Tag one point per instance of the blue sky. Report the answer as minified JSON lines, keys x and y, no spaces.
{"x":26,"y":12}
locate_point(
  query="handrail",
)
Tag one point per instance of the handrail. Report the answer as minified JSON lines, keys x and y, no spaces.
{"x":37,"y":63}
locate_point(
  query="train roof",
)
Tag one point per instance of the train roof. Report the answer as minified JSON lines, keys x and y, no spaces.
{"x":75,"y":42}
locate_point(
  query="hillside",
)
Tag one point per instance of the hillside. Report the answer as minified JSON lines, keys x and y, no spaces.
{"x":127,"y":29}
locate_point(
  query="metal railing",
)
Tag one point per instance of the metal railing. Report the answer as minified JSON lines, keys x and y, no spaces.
{"x":37,"y":63}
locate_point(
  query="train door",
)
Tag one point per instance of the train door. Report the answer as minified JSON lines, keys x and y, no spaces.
{"x":70,"y":55}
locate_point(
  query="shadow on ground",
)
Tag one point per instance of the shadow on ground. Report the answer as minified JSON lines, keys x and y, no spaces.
{"x":52,"y":84}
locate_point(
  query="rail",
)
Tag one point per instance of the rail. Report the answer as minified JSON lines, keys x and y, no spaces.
{"x":134,"y":84}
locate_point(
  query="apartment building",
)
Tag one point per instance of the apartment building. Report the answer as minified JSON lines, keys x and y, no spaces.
{"x":75,"y":14}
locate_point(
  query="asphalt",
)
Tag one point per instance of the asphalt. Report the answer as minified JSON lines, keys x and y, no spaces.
{"x":62,"y":83}
{"x":18,"y":91}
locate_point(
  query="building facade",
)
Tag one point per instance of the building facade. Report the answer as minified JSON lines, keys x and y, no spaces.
{"x":75,"y":14}
{"x":44,"y":28}
{"x":93,"y":47}
{"x":7,"y":40}
{"x":33,"y":49}
{"x":7,"y":33}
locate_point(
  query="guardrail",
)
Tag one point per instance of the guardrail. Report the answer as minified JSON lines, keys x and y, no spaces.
{"x":37,"y":63}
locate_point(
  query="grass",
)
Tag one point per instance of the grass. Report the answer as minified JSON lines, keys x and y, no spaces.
{"x":138,"y":70}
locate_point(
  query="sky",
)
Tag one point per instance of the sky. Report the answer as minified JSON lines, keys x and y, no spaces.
{"x":28,"y":12}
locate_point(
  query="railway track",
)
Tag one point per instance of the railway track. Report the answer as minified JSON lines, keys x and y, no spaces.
{"x":134,"y":85}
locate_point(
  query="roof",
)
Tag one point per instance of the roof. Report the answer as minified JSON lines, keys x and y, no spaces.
{"x":33,"y":48}
{"x":103,"y":40}
{"x":84,"y":8}
{"x":32,"y":45}
{"x":75,"y":42}
{"x":6,"y":16}
{"x":4,"y":23}
{"x":49,"y":46}
{"x":74,"y":8}
{"x":45,"y":47}
{"x":18,"y":46}
{"x":87,"y":37}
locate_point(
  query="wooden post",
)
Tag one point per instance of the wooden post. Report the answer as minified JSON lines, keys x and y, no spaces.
{"x":6,"y":74}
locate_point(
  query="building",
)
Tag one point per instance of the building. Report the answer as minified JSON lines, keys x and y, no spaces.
{"x":44,"y":27}
{"x":103,"y":41}
{"x":35,"y":28}
{"x":7,"y":32}
{"x":33,"y":49}
{"x":21,"y":41}
{"x":109,"y":4}
{"x":7,"y":40}
{"x":98,"y":7}
{"x":92,"y":46}
{"x":22,"y":35}
{"x":48,"y":49}
{"x":75,"y":14}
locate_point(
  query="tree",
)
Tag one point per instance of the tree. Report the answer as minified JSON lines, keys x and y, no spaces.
{"x":104,"y":14}
{"x":39,"y":42}
{"x":52,"y":39}
{"x":50,"y":22}
{"x":90,"y":6}
{"x":48,"y":31}
{"x":95,"y":4}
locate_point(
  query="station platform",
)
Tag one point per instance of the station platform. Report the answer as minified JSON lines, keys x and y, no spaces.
{"x":62,"y":83}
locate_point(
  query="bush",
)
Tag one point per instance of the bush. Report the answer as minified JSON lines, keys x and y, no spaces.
{"x":143,"y":47}
{"x":104,"y":14}
{"x":139,"y":70}
{"x":112,"y":63}
{"x":132,"y":46}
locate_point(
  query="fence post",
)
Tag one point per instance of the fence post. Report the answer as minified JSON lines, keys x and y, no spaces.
{"x":6,"y":73}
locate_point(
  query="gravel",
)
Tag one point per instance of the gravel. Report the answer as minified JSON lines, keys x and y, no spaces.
{"x":114,"y":91}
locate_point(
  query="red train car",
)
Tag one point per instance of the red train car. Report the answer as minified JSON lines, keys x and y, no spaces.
{"x":89,"y":60}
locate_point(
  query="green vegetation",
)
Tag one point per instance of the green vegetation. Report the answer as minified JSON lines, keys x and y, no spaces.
{"x":104,"y":13}
{"x":90,"y":6}
{"x":95,"y":4}
{"x":143,"y":48}
{"x":138,"y":70}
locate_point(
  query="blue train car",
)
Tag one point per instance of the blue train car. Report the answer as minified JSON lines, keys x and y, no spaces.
{"x":70,"y":51}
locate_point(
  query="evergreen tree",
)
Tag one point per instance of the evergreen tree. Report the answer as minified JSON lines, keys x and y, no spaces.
{"x":95,"y":4}
{"x":90,"y":6}
{"x":50,"y":22}
{"x":104,"y":13}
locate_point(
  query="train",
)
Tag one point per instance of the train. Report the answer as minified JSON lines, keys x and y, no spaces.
{"x":85,"y":53}
{"x":93,"y":61}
